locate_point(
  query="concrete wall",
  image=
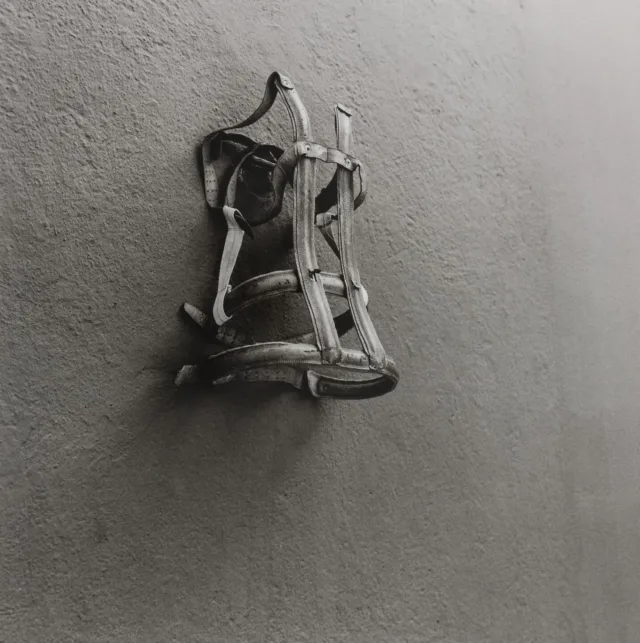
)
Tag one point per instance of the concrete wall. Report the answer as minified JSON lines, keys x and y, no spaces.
{"x":493,"y":497}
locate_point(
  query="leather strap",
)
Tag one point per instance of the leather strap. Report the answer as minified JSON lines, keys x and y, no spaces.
{"x":274,"y":82}
{"x":232,"y":245}
{"x":277,"y":283}
{"x":280,"y":358}
{"x":364,"y":327}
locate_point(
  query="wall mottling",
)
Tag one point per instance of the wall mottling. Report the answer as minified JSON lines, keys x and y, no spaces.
{"x":493,"y":497}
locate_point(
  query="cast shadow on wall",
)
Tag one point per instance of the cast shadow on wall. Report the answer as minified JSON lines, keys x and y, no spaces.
{"x":195,"y":480}
{"x":265,"y":321}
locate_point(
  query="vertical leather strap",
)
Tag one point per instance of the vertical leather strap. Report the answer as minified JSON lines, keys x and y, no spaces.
{"x":307,"y":262}
{"x":232,"y":245}
{"x":304,"y":181}
{"x":355,"y":293}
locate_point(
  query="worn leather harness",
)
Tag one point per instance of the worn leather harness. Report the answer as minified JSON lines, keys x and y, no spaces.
{"x":245,"y":182}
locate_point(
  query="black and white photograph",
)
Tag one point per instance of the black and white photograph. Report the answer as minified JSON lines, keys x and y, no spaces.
{"x":319,"y":321}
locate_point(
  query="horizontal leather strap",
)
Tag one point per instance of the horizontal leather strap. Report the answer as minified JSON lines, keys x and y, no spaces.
{"x":277,"y":283}
{"x":283,"y":361}
{"x":318,"y":385}
{"x":326,"y":154}
{"x":232,"y":336}
{"x":328,"y":196}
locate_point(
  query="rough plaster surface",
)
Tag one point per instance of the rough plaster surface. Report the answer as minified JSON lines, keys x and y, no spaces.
{"x":492,"y":497}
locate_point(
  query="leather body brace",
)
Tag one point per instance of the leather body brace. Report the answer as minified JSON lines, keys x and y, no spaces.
{"x":245,"y":182}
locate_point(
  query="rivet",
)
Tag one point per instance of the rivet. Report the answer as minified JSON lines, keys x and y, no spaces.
{"x":285,"y":82}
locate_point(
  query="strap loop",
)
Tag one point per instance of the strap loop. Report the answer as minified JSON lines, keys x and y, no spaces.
{"x":232,"y":245}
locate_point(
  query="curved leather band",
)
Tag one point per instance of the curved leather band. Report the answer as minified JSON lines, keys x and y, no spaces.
{"x":282,"y":282}
{"x":304,"y":363}
{"x":277,"y":283}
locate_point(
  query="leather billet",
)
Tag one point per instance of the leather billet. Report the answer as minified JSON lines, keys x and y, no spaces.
{"x":245,"y":183}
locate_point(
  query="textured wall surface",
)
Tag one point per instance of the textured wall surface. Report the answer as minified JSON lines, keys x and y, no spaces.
{"x":493,"y":497}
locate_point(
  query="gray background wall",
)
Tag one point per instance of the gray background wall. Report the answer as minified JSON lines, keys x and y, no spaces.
{"x":493,"y":497}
